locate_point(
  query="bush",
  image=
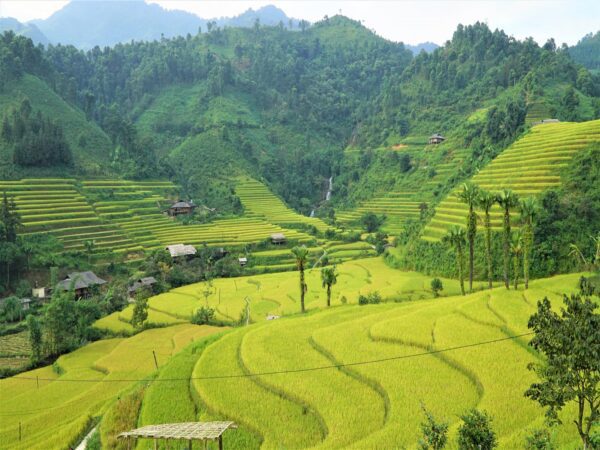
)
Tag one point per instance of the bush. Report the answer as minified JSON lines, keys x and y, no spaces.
{"x":436,"y":287}
{"x":435,"y":434}
{"x":372,"y":298}
{"x":203,"y":316}
{"x":539,"y":439}
{"x":371,"y":222}
{"x":475,"y":433}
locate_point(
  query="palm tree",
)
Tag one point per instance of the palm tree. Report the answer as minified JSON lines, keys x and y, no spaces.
{"x":507,"y":200}
{"x":329,"y":278}
{"x":301,"y":255}
{"x":516,"y":249}
{"x":456,"y":238}
{"x":89,"y":246}
{"x":470,"y":195}
{"x":528,"y":209}
{"x":486,"y":201}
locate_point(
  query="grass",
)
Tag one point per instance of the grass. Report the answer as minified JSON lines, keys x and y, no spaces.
{"x":528,"y":167}
{"x":55,"y":414}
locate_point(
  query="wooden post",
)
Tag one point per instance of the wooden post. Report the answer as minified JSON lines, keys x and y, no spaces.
{"x":190,"y":444}
{"x":221,"y":442}
{"x":37,"y":380}
{"x":155,"y":361}
{"x":19,"y":431}
{"x":155,"y":444}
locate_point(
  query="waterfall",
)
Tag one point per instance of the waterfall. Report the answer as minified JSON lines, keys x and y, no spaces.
{"x":329,"y":189}
{"x":312,"y":213}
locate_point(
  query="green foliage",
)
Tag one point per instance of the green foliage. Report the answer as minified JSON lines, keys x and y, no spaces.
{"x":35,"y":339}
{"x":435,"y":434}
{"x":11,"y":309}
{"x":570,"y":372}
{"x":475,"y":433}
{"x":121,"y":416}
{"x":456,"y":239}
{"x":436,"y":287}
{"x":587,"y":51}
{"x":371,"y":222}
{"x":203,"y":316}
{"x":539,"y":439}
{"x":372,"y":298}
{"x":140,"y":309}
{"x":301,"y":256}
{"x":328,"y":278}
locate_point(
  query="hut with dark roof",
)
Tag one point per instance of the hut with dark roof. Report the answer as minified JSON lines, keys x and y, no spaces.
{"x":180,"y":208}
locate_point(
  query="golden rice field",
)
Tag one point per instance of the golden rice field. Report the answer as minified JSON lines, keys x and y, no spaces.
{"x":378,"y":405}
{"x":277,"y":293}
{"x":528,"y":167}
{"x":54,"y":413}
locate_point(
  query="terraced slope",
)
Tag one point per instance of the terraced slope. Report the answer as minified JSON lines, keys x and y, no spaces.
{"x":55,"y":414}
{"x":259,"y":201}
{"x":56,"y":205}
{"x":381,"y":402}
{"x":529,"y":166}
{"x":397,"y":207}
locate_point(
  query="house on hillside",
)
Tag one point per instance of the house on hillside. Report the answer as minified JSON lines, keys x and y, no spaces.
{"x":436,"y":139}
{"x":278,"y":238}
{"x":180,"y":208}
{"x":243,"y":261}
{"x":181,"y":250}
{"x":81,"y":283}
{"x":146,"y":283}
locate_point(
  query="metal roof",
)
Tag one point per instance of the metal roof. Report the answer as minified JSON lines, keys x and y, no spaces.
{"x":181,"y":250}
{"x":80,"y":280}
{"x":186,"y":430}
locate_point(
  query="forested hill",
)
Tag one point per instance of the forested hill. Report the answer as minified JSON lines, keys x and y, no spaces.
{"x":587,"y":51}
{"x":283,"y":104}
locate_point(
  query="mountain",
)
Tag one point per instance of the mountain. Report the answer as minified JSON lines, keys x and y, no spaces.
{"x":587,"y":51}
{"x":29,"y":30}
{"x":86,"y":24}
{"x":427,"y":47}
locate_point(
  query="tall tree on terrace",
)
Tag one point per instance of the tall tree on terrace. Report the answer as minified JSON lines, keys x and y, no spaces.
{"x":528,"y":209}
{"x":486,"y":201}
{"x":456,"y":238}
{"x":329,"y":278}
{"x":301,"y":255}
{"x":507,"y":200}
{"x":516,"y":250}
{"x":470,"y":195}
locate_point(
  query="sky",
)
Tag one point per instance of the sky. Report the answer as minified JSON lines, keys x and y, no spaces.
{"x":410,"y":21}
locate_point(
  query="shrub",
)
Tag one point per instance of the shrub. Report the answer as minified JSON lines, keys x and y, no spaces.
{"x":372,"y":298}
{"x":436,"y":287}
{"x":371,"y":222}
{"x":475,"y":433}
{"x":203,"y":316}
{"x":435,"y":434}
{"x":539,"y":439}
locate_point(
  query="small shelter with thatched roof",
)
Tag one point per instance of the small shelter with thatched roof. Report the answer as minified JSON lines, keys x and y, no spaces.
{"x":179,"y":250}
{"x":181,"y":207}
{"x":278,"y":238}
{"x":81,"y":283}
{"x":436,"y":139}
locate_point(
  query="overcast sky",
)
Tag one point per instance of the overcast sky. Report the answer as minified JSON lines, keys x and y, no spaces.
{"x":400,"y":20}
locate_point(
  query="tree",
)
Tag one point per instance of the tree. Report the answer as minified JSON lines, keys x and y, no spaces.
{"x":470,"y":195}
{"x":528,"y":209}
{"x":456,"y":239}
{"x":486,"y":201}
{"x":371,"y":222}
{"x":435,"y":434}
{"x":516,"y":250}
{"x":301,"y":255}
{"x":539,"y":439}
{"x":436,"y":287}
{"x":35,"y":338}
{"x":475,"y":433}
{"x":60,"y":319}
{"x":140,"y":309}
{"x":9,"y":219}
{"x":570,"y":371}
{"x":329,"y":278}
{"x":11,"y":310}
{"x":89,"y":246}
{"x":507,"y":200}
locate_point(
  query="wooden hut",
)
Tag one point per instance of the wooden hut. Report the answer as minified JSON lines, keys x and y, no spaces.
{"x":180,"y":208}
{"x":436,"y":139}
{"x":81,"y":283}
{"x":278,"y":238}
{"x":180,"y":250}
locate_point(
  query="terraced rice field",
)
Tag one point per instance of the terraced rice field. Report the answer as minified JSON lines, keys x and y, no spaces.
{"x":125,"y":216}
{"x":260,"y":202}
{"x":377,"y":405}
{"x":277,"y":293}
{"x":55,"y":414}
{"x":528,"y":167}
{"x":397,"y":207}
{"x":56,"y":205}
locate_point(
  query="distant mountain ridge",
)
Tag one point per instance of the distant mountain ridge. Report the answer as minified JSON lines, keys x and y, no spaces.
{"x":427,"y":47}
{"x":86,"y":24}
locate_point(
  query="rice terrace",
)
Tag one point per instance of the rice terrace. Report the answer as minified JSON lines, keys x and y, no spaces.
{"x":283,"y":229}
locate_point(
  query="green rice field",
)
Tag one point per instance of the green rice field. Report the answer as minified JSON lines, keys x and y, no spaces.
{"x":528,"y":167}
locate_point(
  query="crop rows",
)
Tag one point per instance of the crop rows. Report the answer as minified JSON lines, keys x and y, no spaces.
{"x":528,"y":167}
{"x":396,"y":206}
{"x":259,"y":201}
{"x":55,"y":414}
{"x":379,"y":405}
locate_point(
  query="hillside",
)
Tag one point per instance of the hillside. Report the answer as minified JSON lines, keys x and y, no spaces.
{"x":88,"y":142}
{"x":381,"y":408}
{"x":528,"y":167}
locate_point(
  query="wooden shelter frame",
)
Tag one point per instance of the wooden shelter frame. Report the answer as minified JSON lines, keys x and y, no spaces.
{"x":190,"y":431}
